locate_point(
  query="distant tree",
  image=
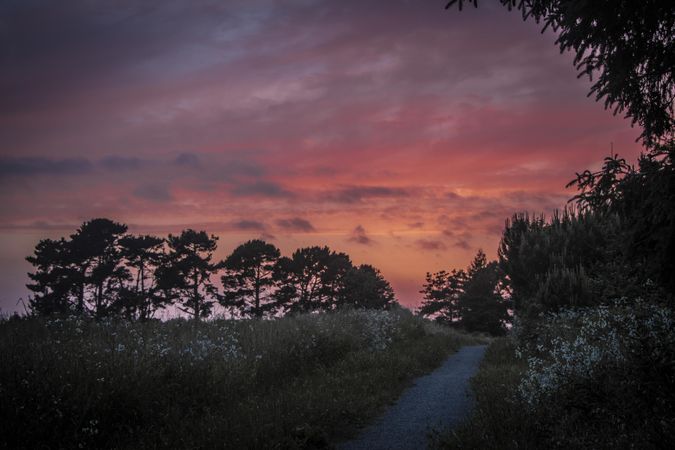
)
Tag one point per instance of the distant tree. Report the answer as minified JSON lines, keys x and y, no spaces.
{"x":248,"y":278}
{"x":471,"y":299}
{"x":287,"y":284}
{"x":441,"y":295}
{"x":82,"y":275}
{"x":482,"y":307}
{"x":185,"y":274}
{"x":142,"y":254}
{"x":629,"y":46}
{"x":93,"y":250}
{"x":302,"y":279}
{"x":365,"y":287}
{"x":338,"y":267}
{"x":51,"y":283}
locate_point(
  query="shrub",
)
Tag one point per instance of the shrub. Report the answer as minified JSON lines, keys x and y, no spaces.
{"x":603,"y":376}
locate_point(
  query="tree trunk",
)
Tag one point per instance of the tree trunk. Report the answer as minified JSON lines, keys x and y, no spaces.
{"x":196,"y":297}
{"x":257,"y":311}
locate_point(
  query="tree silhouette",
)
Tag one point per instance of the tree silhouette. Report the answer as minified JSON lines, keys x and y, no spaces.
{"x":482,"y":308}
{"x":185,"y":274}
{"x":52,"y":280}
{"x":642,"y":199}
{"x":628,"y":46}
{"x":301,"y":279}
{"x":365,"y":287}
{"x":471,"y":299}
{"x":102,"y":271}
{"x":98,"y":275}
{"x":143,"y":254}
{"x":311,"y":279}
{"x":81,"y":275}
{"x":248,"y":278}
{"x":441,"y":295}
{"x":333,"y":279}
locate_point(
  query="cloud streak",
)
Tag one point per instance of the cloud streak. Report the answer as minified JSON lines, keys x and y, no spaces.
{"x":300,"y":118}
{"x":296,"y":224}
{"x":36,"y":166}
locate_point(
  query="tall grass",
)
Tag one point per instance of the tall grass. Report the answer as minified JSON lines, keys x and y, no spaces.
{"x":296,"y":382}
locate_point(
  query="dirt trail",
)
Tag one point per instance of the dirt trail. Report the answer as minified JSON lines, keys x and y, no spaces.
{"x":439,"y":400}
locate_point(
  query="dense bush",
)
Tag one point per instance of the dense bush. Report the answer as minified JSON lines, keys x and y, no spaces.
{"x":539,"y":256}
{"x":600,"y":377}
{"x":606,"y":372}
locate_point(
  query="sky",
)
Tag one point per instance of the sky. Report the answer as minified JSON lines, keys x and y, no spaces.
{"x":398,"y":132}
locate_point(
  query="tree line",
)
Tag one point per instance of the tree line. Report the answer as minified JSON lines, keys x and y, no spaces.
{"x":617,"y":241}
{"x":103,"y":271}
{"x":473,"y":299}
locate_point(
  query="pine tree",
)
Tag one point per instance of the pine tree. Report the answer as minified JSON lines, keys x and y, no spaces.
{"x":185,"y":274}
{"x":441,"y":293}
{"x":365,"y":287}
{"x":248,"y":278}
{"x":143,"y":254}
{"x":482,"y":308}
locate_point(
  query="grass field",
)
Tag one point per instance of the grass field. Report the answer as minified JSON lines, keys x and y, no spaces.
{"x":296,"y":382}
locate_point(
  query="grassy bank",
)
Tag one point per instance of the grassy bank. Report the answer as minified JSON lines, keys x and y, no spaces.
{"x":296,"y":382}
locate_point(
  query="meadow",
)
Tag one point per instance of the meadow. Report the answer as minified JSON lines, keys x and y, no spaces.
{"x":301,"y":381}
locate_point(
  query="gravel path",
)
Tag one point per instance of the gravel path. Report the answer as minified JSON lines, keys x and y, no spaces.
{"x":438,"y":400}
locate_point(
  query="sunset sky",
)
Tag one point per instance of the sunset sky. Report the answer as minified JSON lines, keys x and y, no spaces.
{"x":396,"y":131}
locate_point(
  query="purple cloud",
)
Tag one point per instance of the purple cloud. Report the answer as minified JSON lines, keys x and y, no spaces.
{"x":359,"y":236}
{"x":296,"y":224}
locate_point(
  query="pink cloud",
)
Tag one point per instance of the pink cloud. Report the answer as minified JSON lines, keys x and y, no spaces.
{"x":426,"y":127}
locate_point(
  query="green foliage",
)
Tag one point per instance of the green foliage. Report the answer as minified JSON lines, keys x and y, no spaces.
{"x":558,"y":257}
{"x":563,"y":287}
{"x":629,"y":47}
{"x":291,"y":383}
